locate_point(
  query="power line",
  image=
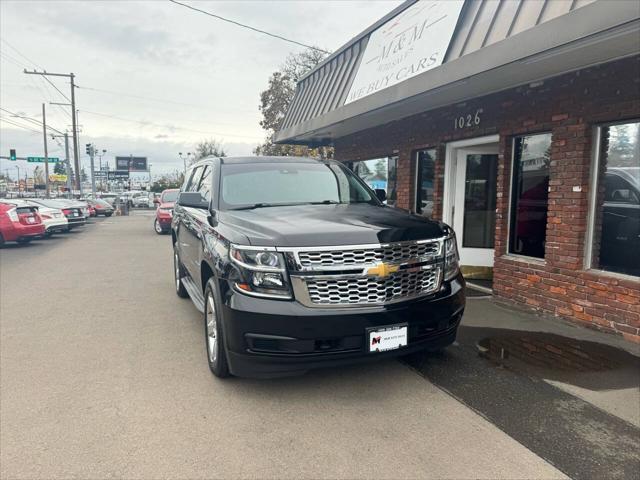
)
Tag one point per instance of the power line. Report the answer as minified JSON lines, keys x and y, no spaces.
{"x":18,"y":63}
{"x":159,"y":100}
{"x":10,"y":122}
{"x":30,"y":119}
{"x":147,"y":124}
{"x":249,"y":27}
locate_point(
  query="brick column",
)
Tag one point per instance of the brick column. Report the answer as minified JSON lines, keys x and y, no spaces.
{"x":570,"y":163}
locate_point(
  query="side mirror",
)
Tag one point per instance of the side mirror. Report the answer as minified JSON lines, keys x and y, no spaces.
{"x":381,"y":194}
{"x":192,"y":199}
{"x":156,"y":200}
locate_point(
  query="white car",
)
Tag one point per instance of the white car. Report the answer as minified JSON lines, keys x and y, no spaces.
{"x":54,"y":219}
{"x":143,"y":201}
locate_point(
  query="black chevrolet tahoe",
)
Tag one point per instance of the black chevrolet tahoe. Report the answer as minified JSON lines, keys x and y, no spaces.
{"x":295,"y":264}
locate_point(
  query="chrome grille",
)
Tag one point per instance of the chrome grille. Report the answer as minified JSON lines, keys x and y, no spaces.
{"x":392,"y":253}
{"x":374,"y":290}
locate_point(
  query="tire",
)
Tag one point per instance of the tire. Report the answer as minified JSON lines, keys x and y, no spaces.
{"x":1,"y":240}
{"x":23,"y":241}
{"x":48,"y":234}
{"x":215,"y":346}
{"x":108,"y":214}
{"x":158,"y":228}
{"x":178,"y":273}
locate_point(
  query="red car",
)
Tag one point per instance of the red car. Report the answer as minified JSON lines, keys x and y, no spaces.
{"x":164,"y":212}
{"x":19,"y":224}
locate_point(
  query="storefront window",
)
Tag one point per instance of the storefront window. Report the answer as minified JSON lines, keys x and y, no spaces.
{"x":379,"y":174}
{"x":529,"y":195}
{"x":425,"y":175}
{"x":616,"y":219}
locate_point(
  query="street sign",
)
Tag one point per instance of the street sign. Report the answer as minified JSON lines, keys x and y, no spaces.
{"x":118,"y":175}
{"x":42,"y":159}
{"x":132,"y":164}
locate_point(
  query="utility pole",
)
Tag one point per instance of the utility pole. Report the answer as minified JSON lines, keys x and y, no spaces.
{"x":46,"y":152}
{"x":76,"y":158}
{"x":68,"y":163}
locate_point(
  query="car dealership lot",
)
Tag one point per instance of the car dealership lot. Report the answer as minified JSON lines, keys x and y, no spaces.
{"x":105,"y":376}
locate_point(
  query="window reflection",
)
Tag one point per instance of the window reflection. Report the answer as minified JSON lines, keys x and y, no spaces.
{"x":616,"y":239}
{"x":425,"y":175}
{"x":529,"y":195}
{"x":379,"y":174}
{"x":480,"y":201}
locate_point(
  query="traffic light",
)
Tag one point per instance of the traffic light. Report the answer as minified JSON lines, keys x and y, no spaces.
{"x":12,"y":154}
{"x":88,"y":149}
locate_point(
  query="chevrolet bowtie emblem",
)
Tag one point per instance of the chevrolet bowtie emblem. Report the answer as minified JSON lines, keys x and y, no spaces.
{"x":383,"y":270}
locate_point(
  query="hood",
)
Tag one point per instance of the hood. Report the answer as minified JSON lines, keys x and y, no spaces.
{"x":167,"y":205}
{"x":327,"y":225}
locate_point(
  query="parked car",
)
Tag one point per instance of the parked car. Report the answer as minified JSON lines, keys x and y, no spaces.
{"x":101,"y":207}
{"x":621,"y":221}
{"x":296,"y":264}
{"x":19,"y":223}
{"x":164,"y":212}
{"x":143,"y":201}
{"x":108,"y":197}
{"x":73,"y":211}
{"x":53,"y":219}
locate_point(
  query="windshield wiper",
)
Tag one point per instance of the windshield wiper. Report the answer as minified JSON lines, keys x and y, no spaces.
{"x":264,"y":205}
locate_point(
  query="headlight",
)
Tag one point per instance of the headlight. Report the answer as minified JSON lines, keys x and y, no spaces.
{"x":263,"y":272}
{"x":451,"y":267}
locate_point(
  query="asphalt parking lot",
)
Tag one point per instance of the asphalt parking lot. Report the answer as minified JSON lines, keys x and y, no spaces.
{"x":103,"y":374}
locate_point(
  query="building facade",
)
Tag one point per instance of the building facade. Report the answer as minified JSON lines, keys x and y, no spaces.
{"x":538,"y":171}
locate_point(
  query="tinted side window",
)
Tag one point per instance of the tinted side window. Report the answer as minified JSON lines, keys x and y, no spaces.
{"x":194,"y":182}
{"x":205,"y":183}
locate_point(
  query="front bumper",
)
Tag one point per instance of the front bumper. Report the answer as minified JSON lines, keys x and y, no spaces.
{"x":271,"y":338}
{"x":165,"y":222}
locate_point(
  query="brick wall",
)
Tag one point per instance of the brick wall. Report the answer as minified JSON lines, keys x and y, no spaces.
{"x":569,"y":107}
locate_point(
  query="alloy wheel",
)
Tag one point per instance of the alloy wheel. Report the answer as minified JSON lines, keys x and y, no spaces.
{"x":157,"y":226}
{"x":212,"y":329}
{"x":176,"y":270}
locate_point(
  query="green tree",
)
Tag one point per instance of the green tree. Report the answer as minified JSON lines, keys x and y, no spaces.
{"x":275,"y":100}
{"x":209,"y":148}
{"x":171,"y":180}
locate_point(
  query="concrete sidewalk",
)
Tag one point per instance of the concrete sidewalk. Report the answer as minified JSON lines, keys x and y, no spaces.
{"x":612,"y":385}
{"x":569,"y":394}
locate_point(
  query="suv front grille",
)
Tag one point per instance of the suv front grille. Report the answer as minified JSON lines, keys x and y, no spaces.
{"x":374,"y":290}
{"x":360,"y":275}
{"x":392,"y":253}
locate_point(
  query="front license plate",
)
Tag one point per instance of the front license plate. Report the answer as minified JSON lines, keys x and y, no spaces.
{"x":31,"y":220}
{"x":392,"y":337}
{"x":75,"y":214}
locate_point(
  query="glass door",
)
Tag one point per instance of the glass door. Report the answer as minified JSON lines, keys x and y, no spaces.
{"x":474,"y":206}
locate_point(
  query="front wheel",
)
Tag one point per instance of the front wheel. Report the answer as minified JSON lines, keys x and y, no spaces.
{"x":157,"y":227}
{"x":178,"y":274}
{"x":214,"y":338}
{"x":108,"y":214}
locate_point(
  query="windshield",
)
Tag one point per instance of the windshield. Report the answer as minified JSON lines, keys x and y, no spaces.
{"x":170,"y":197}
{"x":272,"y":184}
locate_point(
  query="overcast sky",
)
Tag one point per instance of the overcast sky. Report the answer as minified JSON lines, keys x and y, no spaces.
{"x":187,"y":76}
